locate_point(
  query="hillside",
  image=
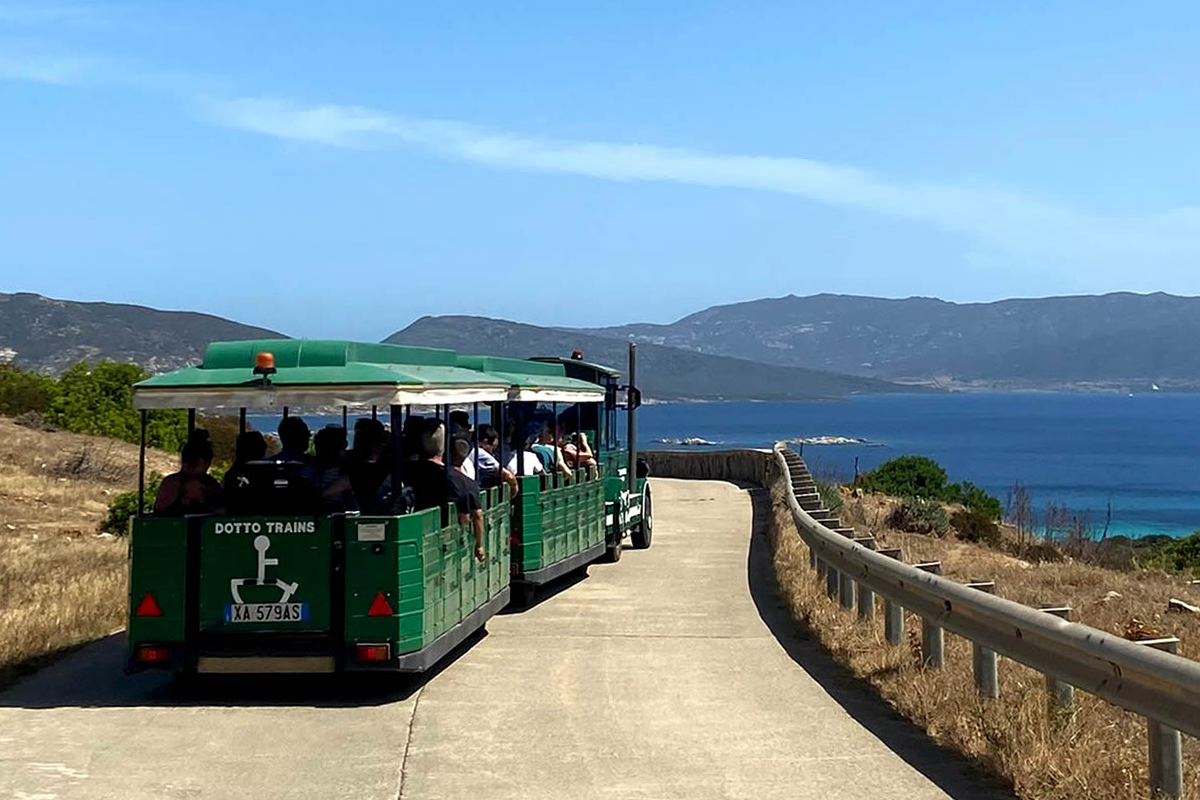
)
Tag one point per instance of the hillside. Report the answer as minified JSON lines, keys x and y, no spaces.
{"x":1119,"y":339}
{"x":50,"y":335}
{"x":664,"y":372}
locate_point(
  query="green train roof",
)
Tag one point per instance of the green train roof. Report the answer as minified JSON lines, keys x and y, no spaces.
{"x":532,"y":380}
{"x":317,"y":372}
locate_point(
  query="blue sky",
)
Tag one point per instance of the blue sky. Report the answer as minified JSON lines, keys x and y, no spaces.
{"x":341,"y":169}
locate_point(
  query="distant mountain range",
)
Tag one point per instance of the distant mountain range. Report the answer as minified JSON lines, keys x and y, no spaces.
{"x":1115,"y":341}
{"x":663,"y":372}
{"x":50,"y":335}
{"x":787,"y":347}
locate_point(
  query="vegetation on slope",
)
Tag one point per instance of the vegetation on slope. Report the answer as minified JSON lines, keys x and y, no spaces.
{"x":61,"y":584}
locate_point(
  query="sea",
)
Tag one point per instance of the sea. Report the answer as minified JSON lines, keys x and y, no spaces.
{"x":1139,"y":455}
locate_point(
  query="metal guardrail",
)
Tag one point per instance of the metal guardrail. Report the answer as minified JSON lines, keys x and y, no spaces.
{"x":1161,"y":686}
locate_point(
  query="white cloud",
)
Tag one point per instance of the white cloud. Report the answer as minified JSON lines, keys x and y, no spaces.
{"x":50,"y":70}
{"x":1017,"y":223}
{"x":50,"y":14}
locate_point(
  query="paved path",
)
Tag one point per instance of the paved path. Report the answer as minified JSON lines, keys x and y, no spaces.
{"x":658,"y":677}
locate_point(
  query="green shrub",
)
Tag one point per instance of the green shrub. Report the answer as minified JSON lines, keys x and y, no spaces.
{"x":917,"y":476}
{"x":1177,"y":555}
{"x":124,"y":507}
{"x":907,"y":476}
{"x":974,"y":525}
{"x":916,"y":515}
{"x":24,"y":392}
{"x":975,"y":499}
{"x":100,"y":402}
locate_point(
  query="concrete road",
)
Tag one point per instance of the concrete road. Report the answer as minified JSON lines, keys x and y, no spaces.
{"x":669,"y":675}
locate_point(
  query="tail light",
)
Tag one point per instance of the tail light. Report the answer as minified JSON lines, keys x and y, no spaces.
{"x":152,"y":654}
{"x":373,"y":652}
{"x":513,"y":540}
{"x":148,"y":607}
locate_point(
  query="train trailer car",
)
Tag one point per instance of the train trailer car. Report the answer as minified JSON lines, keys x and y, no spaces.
{"x":286,"y":587}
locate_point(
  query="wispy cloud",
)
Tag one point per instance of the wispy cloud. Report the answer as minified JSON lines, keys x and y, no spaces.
{"x":51,"y":70}
{"x":53,"y":14}
{"x":1013,"y":221}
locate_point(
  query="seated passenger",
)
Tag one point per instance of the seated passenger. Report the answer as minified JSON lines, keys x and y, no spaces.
{"x":575,"y":450}
{"x":191,"y":490}
{"x":463,"y":494}
{"x":427,"y":476}
{"x":369,"y":464}
{"x":294,"y":436}
{"x":490,"y":473}
{"x":327,"y":472}
{"x":548,"y":450}
{"x":460,"y":424}
{"x":251,"y":446}
{"x":519,"y":459}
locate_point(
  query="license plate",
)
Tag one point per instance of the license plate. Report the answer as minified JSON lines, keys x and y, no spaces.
{"x":266,"y":612}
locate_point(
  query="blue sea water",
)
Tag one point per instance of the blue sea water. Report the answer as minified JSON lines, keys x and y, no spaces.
{"x":1081,"y":450}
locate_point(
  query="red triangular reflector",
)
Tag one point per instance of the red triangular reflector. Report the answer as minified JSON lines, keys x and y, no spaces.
{"x":148,"y":607}
{"x":380,"y":607}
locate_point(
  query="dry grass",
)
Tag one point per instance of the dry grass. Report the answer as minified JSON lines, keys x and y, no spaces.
{"x":61,"y":584}
{"x":1098,"y":752}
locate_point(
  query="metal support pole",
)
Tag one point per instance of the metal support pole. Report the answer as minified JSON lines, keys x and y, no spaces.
{"x":831,"y":581}
{"x":983,"y":660}
{"x":397,"y":457}
{"x":866,"y":596}
{"x":1062,"y":695}
{"x":475,"y":442}
{"x":631,"y":424}
{"x":845,"y":590}
{"x":345,"y":418}
{"x":932,"y":635}
{"x":1166,"y":748}
{"x":285,"y":412}
{"x":241,"y":420}
{"x":142,"y":468}
{"x":374,"y":414}
{"x":191,"y":421}
{"x":893,"y":613}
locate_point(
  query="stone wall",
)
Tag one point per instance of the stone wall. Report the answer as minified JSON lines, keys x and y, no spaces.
{"x":742,"y":466}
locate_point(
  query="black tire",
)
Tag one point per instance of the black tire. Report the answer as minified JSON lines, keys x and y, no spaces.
{"x":524,"y":595}
{"x":643,"y":532}
{"x":613,"y":554}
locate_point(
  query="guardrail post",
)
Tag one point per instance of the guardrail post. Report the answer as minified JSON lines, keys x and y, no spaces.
{"x":1062,"y":695}
{"x":983,"y":660}
{"x":893,"y":613}
{"x":932,"y":637}
{"x":866,"y":597}
{"x":846,"y":588}
{"x":831,"y":580}
{"x":1166,"y":756}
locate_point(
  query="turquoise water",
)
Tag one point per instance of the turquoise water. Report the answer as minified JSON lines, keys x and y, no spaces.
{"x":1081,"y":450}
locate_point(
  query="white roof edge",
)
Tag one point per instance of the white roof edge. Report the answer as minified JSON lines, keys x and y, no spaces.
{"x":517,"y":394}
{"x":280,"y":396}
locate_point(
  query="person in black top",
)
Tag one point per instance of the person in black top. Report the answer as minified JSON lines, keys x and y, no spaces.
{"x":463,"y":493}
{"x":191,"y":490}
{"x":434,"y":486}
{"x":251,"y":446}
{"x":369,"y":465}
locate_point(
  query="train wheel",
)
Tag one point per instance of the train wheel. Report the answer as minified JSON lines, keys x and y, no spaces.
{"x":643,"y":531}
{"x":524,"y":595}
{"x":613,"y":554}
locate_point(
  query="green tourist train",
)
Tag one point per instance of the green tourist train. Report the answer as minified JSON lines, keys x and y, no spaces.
{"x":371,"y":552}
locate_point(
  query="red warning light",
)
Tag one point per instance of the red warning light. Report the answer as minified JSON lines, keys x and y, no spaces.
{"x":148,"y":607}
{"x":152,"y":654}
{"x":380,"y":607}
{"x":373,"y":652}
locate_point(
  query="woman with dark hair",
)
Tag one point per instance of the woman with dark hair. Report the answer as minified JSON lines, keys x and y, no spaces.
{"x":191,"y":490}
{"x":251,"y":446}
